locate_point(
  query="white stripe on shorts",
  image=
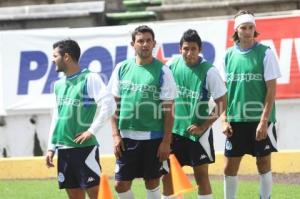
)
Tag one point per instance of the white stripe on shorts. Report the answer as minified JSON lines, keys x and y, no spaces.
{"x":92,"y":163}
{"x":205,"y":143}
{"x":271,"y":135}
{"x":165,"y":166}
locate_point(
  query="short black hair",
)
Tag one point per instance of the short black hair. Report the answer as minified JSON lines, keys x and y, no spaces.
{"x":191,"y":36}
{"x":235,"y":36}
{"x":68,"y":46}
{"x":142,"y":29}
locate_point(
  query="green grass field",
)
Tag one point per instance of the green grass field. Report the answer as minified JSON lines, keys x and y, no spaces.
{"x":48,"y":189}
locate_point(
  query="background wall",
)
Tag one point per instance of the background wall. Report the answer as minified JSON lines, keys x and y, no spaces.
{"x":27,"y":74}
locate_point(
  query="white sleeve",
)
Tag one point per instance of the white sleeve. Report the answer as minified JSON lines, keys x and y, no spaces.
{"x":221,"y":69}
{"x":215,"y":84}
{"x":168,"y":87}
{"x":106,"y":105}
{"x":114,"y":82}
{"x":53,"y":124}
{"x":169,"y":62}
{"x":271,"y":66}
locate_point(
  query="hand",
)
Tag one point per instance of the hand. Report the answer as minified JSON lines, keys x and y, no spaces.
{"x":164,"y":150}
{"x":118,"y":146}
{"x":82,"y":137}
{"x":195,"y":129}
{"x":227,"y":129}
{"x":261,"y":131}
{"x":49,"y":158}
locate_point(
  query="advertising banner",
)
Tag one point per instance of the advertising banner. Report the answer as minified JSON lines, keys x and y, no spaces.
{"x":27,"y":72}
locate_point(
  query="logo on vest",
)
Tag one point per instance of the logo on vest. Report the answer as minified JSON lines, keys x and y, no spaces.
{"x":232,"y":77}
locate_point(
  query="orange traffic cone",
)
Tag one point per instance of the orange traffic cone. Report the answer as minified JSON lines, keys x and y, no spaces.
{"x":104,"y":190}
{"x":180,"y":181}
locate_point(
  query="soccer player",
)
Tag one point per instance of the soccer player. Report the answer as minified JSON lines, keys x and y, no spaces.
{"x":196,"y":81}
{"x":144,"y":89}
{"x":83,"y":104}
{"x":251,"y":70}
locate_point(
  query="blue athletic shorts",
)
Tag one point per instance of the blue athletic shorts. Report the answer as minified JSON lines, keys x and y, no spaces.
{"x":193,"y":153}
{"x":78,"y":167}
{"x":243,"y":140}
{"x":139,"y":160}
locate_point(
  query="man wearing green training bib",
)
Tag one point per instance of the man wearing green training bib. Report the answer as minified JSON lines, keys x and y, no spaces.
{"x":196,"y":81}
{"x":82,"y":106}
{"x":144,"y":90}
{"x":250,"y":71}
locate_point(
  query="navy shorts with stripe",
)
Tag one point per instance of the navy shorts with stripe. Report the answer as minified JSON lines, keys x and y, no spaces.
{"x":78,"y":167}
{"x":243,"y":140}
{"x":193,"y":153}
{"x":139,"y":160}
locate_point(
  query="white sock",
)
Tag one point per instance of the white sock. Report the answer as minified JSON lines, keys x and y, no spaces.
{"x":126,"y":195}
{"x":265,"y":185}
{"x":153,"y":193}
{"x":208,"y":196}
{"x":230,"y":187}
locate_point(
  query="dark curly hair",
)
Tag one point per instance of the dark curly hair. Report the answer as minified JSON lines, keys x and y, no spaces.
{"x":68,"y":46}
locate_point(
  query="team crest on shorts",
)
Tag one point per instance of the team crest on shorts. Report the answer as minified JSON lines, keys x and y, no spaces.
{"x":228,"y":145}
{"x":117,"y":168}
{"x":61,"y":177}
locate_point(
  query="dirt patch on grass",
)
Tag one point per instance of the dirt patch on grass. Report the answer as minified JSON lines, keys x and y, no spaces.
{"x":286,"y":178}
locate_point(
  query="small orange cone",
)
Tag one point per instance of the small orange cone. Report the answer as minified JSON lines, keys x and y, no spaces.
{"x":104,"y":190}
{"x":180,"y":181}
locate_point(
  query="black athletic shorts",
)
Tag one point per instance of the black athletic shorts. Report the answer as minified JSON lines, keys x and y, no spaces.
{"x":193,"y":153}
{"x":78,"y":167}
{"x":139,"y":160}
{"x":243,"y":140}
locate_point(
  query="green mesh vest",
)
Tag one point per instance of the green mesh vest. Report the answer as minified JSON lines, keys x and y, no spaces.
{"x":191,"y":103}
{"x":246,"y":86}
{"x":141,"y":108}
{"x":75,"y":111}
